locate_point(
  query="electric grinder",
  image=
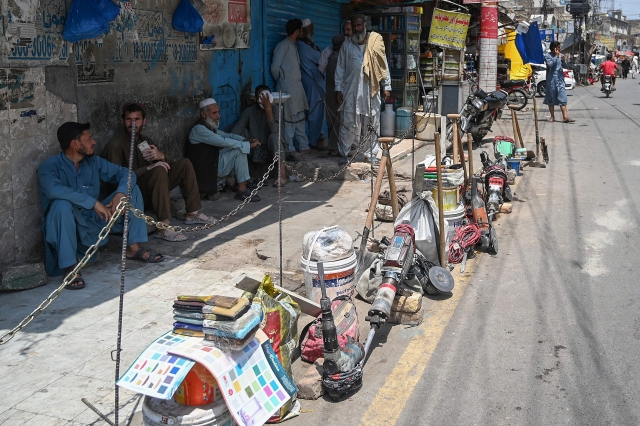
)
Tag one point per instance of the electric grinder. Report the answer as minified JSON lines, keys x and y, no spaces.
{"x":342,"y":368}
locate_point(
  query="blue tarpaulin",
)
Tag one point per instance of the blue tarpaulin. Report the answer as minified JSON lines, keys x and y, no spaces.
{"x":529,"y":45}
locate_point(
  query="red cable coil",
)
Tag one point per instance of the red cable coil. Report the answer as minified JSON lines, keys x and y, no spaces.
{"x":466,"y":236}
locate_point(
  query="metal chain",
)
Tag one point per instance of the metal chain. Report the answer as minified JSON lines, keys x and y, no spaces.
{"x":104,"y":233}
{"x":161,"y":225}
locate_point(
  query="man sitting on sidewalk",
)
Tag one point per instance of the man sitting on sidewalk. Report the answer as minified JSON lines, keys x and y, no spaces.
{"x":258,"y":122}
{"x":233,"y":148}
{"x":157,"y":174}
{"x":73,"y":216}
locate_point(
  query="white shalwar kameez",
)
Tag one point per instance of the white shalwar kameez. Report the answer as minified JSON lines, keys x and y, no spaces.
{"x":358,"y":108}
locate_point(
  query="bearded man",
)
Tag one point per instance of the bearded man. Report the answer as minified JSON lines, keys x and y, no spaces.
{"x":157,"y":173}
{"x":206,"y":139}
{"x":362,"y":66}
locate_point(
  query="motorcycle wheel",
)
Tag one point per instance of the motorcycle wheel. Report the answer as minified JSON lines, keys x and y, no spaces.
{"x":607,"y":94}
{"x":518,"y":98}
{"x":542,"y":87}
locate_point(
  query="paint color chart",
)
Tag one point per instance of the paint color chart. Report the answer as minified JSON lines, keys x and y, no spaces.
{"x":156,"y":372}
{"x":253,"y":387}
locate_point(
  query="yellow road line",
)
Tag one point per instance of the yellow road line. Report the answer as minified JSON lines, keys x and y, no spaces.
{"x":389,"y":403}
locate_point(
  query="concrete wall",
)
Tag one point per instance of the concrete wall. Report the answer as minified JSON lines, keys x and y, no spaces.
{"x":45,"y":81}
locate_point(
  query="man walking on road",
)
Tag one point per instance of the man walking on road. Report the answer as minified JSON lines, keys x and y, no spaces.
{"x":362,"y":65}
{"x":556,"y":93}
{"x":285,"y":69}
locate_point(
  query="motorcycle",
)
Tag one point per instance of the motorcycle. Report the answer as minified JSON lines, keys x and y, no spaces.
{"x":496,"y":184}
{"x":479,"y":112}
{"x":517,"y":92}
{"x":607,"y":88}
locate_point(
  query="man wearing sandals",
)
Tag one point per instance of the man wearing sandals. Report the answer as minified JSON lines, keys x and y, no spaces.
{"x":258,"y":122}
{"x":233,"y":148}
{"x":157,"y":174}
{"x":73,"y":216}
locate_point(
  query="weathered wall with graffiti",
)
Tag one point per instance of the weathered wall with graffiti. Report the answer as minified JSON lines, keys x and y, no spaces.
{"x":45,"y":81}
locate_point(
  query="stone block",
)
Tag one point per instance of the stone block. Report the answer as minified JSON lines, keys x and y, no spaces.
{"x":406,"y":318}
{"x":29,"y":241}
{"x":506,"y":208}
{"x":310,"y":382}
{"x":26,"y":156}
{"x":7,"y":239}
{"x":408,"y":304}
{"x":23,"y":276}
{"x":6,"y":185}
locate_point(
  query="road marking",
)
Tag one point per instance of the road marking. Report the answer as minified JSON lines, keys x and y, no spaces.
{"x":389,"y":403}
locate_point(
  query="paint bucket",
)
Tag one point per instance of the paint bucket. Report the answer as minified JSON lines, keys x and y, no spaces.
{"x":427,"y":124}
{"x":403,"y":122}
{"x":199,"y":387}
{"x":454,"y":219}
{"x":449,"y":198}
{"x":514,"y":164}
{"x":160,"y":412}
{"x":388,"y":122}
{"x":338,"y":277}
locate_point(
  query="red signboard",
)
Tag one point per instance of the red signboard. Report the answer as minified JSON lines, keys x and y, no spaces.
{"x":489,"y":21}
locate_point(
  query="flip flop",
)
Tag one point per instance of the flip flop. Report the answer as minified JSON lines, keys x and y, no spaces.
{"x":569,"y":120}
{"x":551,"y":120}
{"x":198,"y":218}
{"x":79,"y":284}
{"x":153,"y":256}
{"x":171,"y":236}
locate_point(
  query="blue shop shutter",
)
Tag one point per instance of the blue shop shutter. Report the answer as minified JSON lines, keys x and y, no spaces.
{"x":325,"y":15}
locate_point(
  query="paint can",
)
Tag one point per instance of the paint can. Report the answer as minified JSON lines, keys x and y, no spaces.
{"x":514,"y":164}
{"x":339,"y":277}
{"x":199,"y":387}
{"x":427,"y":124}
{"x":159,"y":412}
{"x":449,"y":198}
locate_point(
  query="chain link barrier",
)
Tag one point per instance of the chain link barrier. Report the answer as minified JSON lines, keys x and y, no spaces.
{"x":104,"y":233}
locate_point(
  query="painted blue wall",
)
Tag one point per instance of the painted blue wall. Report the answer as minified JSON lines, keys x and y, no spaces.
{"x":232,"y":70}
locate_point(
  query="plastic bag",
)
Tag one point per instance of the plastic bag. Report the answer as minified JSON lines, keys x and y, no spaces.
{"x":186,"y":18}
{"x":424,"y":224}
{"x":280,"y":323}
{"x":89,"y":19}
{"x":327,"y":244}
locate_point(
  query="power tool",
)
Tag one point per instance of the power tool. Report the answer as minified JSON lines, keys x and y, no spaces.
{"x":342,"y":369}
{"x":497,"y":189}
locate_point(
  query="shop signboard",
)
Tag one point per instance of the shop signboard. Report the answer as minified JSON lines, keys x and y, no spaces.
{"x":449,"y":29}
{"x":547,"y":35}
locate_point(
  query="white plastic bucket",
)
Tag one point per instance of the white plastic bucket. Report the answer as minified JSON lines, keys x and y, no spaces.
{"x":449,"y":198}
{"x":427,"y":124}
{"x":338,"y":277}
{"x":454,"y":219}
{"x":388,"y":123}
{"x":159,"y":412}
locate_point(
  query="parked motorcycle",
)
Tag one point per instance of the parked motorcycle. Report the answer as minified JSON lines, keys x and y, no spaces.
{"x":607,"y":88}
{"x":496,"y":184}
{"x":479,"y":112}
{"x":517,"y":93}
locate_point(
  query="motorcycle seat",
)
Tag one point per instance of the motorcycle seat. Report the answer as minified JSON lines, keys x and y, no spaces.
{"x":513,"y":83}
{"x":496,"y":99}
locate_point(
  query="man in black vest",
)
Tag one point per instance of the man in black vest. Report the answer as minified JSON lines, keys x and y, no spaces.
{"x":232,"y":150}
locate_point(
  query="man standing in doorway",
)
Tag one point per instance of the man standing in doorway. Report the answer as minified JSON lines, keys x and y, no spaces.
{"x":362,"y":65}
{"x":328,"y":63}
{"x":285,"y":69}
{"x":313,"y":83}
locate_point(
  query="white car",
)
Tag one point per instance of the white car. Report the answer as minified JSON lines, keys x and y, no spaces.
{"x":541,"y":78}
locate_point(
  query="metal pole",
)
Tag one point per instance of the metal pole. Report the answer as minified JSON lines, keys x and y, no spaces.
{"x":280,"y":119}
{"x":123,"y":267}
{"x":443,"y":261}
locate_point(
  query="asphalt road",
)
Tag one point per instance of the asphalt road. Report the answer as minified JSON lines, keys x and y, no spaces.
{"x":550,"y":333}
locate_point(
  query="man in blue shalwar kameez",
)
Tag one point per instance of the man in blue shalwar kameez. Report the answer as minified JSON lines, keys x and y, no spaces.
{"x":73,"y":216}
{"x":312,"y":81}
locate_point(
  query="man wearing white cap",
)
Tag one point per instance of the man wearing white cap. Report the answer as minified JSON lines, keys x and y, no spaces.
{"x":285,"y":69}
{"x":206,"y":142}
{"x":312,"y":81}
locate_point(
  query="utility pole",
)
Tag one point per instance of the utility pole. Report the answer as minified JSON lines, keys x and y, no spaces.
{"x":544,"y":13}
